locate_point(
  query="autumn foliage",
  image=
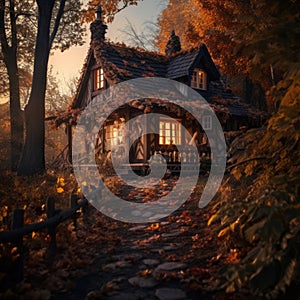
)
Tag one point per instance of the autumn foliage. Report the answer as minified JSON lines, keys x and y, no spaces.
{"x":245,"y":243}
{"x":259,"y":211}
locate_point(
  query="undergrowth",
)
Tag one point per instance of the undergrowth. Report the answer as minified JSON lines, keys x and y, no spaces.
{"x":259,"y":213}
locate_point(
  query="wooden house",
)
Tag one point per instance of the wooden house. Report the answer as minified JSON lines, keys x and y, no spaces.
{"x":109,"y":63}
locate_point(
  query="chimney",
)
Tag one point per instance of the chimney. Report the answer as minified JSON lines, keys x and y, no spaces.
{"x":98,"y":29}
{"x":173,"y":44}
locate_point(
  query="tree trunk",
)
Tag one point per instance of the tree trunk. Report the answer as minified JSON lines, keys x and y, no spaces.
{"x":16,"y":115}
{"x":10,"y":60}
{"x":33,"y":156}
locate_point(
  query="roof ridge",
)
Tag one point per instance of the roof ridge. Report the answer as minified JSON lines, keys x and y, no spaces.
{"x":186,"y":51}
{"x":134,"y":48}
{"x":141,"y":50}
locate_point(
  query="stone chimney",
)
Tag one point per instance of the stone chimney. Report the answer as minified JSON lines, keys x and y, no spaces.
{"x":98,"y":29}
{"x":173,"y":44}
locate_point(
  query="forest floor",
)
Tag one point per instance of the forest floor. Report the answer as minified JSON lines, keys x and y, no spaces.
{"x":175,"y":258}
{"x":244,"y":244}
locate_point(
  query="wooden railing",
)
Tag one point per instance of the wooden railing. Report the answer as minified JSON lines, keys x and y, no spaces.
{"x":54,"y":218}
{"x":187,"y":155}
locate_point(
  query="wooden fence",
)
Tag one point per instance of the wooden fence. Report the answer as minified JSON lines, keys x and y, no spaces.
{"x":54,"y":218}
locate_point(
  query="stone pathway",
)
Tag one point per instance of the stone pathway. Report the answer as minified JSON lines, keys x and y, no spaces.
{"x":167,"y":260}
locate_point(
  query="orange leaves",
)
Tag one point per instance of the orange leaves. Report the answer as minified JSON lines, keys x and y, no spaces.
{"x":185,"y":213}
{"x":195,"y":237}
{"x":61,"y":181}
{"x":234,"y":256}
{"x":153,"y":227}
{"x":197,"y":271}
{"x":110,"y":8}
{"x":59,"y":190}
{"x":3,"y":214}
{"x":15,"y":253}
{"x":60,"y":185}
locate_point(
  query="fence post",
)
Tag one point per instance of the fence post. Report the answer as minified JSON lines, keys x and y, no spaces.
{"x":73,"y":203}
{"x":50,"y":209}
{"x":84,"y":211}
{"x":18,"y":266}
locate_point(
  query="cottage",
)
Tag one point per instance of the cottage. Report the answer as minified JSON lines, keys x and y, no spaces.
{"x":109,"y":63}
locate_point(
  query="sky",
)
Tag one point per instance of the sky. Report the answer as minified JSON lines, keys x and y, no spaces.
{"x":67,"y":65}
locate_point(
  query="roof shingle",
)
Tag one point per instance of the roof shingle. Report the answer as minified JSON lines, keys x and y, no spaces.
{"x":179,"y":65}
{"x":122,"y":63}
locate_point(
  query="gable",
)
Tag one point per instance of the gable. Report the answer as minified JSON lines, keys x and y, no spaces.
{"x":204,"y":61}
{"x":180,"y":65}
{"x":78,"y":101}
{"x":184,"y":63}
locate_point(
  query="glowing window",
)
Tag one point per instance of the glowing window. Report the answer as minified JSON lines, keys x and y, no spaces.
{"x":199,"y":80}
{"x":99,"y":80}
{"x":114,"y":135}
{"x":169,"y":132}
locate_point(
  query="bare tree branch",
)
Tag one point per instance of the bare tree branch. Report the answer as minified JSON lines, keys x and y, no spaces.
{"x":57,"y":22}
{"x":126,"y":3}
{"x":143,"y":39}
{"x":24,"y":14}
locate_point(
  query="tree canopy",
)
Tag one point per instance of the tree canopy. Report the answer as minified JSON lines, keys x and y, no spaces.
{"x":70,"y":32}
{"x":250,"y":35}
{"x":18,"y":30}
{"x":111,"y":8}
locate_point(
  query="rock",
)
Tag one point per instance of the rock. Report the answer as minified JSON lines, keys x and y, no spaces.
{"x":151,"y":262}
{"x":170,"y":247}
{"x":155,"y":250}
{"x":128,"y":257}
{"x":124,"y":296}
{"x":116,"y":265}
{"x":170,"y":294}
{"x":171,"y":266}
{"x":143,"y":282}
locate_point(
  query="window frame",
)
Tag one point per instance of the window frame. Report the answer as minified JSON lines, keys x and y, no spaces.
{"x":199,"y":79}
{"x":175,"y":130}
{"x":98,"y":79}
{"x":114,"y":135}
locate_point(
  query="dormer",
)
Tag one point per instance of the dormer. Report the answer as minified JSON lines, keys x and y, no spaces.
{"x":199,"y":79}
{"x":195,"y":68}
